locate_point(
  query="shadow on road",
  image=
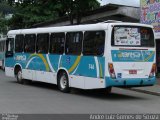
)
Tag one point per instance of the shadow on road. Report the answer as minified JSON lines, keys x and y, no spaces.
{"x":105,"y":96}
{"x":96,"y":94}
{"x":39,"y":85}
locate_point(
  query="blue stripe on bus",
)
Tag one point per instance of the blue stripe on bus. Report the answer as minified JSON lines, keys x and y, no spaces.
{"x":132,"y":56}
{"x":129,"y":81}
{"x":76,"y":65}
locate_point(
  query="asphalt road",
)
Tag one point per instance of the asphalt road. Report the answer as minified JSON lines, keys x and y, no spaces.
{"x":40,"y":98}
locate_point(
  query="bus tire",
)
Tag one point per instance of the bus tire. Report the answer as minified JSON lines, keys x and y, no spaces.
{"x":63,"y":82}
{"x":105,"y":91}
{"x":108,"y":90}
{"x":19,"y":76}
{"x":3,"y":67}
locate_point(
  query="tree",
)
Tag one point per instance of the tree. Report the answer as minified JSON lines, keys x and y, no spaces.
{"x":29,"y":12}
{"x":75,"y":9}
{"x":4,"y":10}
{"x":3,"y":24}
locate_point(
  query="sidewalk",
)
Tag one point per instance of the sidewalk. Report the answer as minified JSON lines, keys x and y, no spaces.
{"x":154,"y":90}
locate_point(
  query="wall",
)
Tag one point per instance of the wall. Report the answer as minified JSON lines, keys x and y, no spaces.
{"x":150,"y":14}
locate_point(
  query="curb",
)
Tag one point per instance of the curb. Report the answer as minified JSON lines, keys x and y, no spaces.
{"x":144,"y":91}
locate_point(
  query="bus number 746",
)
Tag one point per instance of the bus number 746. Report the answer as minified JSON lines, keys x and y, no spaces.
{"x":91,"y":66}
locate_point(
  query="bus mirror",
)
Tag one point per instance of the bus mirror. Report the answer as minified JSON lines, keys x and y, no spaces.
{"x":9,"y":54}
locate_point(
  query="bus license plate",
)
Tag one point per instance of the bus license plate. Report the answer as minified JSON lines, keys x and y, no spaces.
{"x":132,"y":71}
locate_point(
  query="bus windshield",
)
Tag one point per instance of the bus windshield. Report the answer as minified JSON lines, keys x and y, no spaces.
{"x":132,"y":36}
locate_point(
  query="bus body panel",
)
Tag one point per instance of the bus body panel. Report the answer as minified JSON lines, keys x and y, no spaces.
{"x":2,"y":56}
{"x":87,"y":72}
{"x":130,"y":82}
{"x":2,"y":52}
{"x":44,"y":68}
{"x":10,"y":71}
{"x":132,"y":65}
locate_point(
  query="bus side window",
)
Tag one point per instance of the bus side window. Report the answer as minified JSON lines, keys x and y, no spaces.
{"x":29,"y":43}
{"x":10,"y":45}
{"x":42,"y":43}
{"x":57,"y":43}
{"x":73,"y":43}
{"x":19,"y":42}
{"x":94,"y":43}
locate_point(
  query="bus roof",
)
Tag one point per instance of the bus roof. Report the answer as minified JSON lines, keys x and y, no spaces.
{"x":86,"y":27}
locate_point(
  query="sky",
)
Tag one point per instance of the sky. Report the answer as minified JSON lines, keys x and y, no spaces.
{"x":135,"y":3}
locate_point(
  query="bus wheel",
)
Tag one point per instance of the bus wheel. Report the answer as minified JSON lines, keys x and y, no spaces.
{"x":19,"y":76}
{"x":63,"y":83}
{"x":108,"y":90}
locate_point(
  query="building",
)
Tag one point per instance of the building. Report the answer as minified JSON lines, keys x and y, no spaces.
{"x":150,"y":14}
{"x":104,"y":13}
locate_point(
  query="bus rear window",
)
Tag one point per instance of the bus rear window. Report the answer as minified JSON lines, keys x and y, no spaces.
{"x":132,"y":36}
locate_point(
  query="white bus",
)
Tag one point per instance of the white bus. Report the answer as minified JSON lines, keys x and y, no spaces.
{"x":92,"y":56}
{"x":2,"y":52}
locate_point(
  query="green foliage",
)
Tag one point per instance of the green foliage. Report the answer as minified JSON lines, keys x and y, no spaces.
{"x":75,"y":9}
{"x":3,"y":24}
{"x":4,"y":8}
{"x":29,"y":12}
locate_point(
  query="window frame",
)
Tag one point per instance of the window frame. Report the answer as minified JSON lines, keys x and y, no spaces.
{"x":81,"y":42}
{"x":52,"y":41}
{"x":104,"y":40}
{"x":22,"y":43}
{"x":27,"y":42}
{"x":131,"y":26}
{"x":47,"y":50}
{"x":12,"y":42}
